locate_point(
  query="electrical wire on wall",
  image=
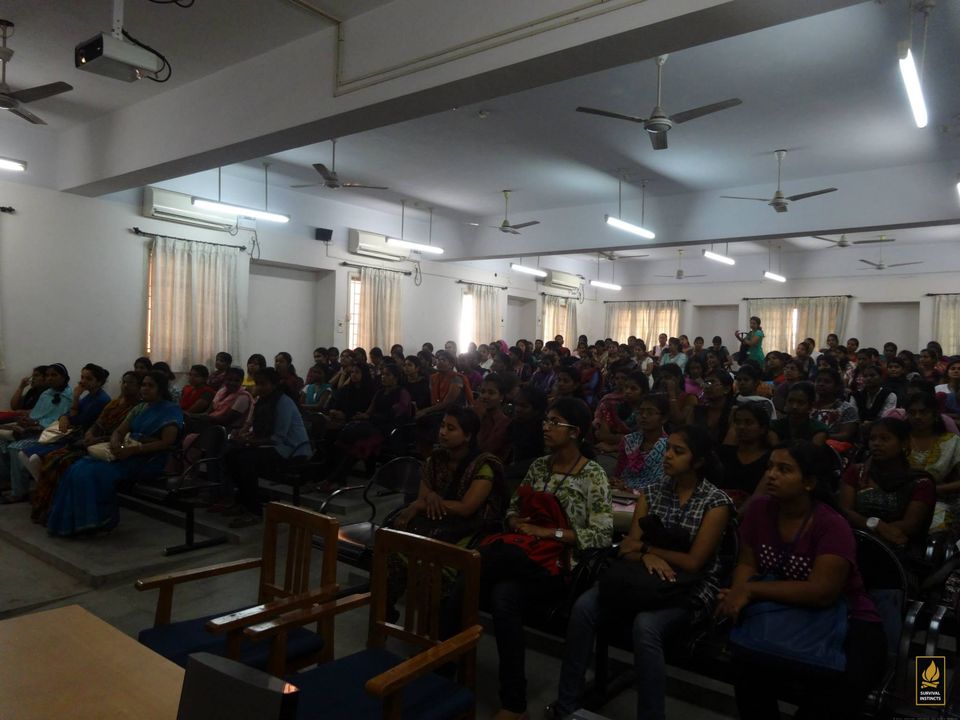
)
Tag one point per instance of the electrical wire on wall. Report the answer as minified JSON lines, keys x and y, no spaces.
{"x":166,"y":63}
{"x":178,"y":3}
{"x":254,"y":245}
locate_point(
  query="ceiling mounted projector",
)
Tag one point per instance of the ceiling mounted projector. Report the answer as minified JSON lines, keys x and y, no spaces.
{"x":117,"y":58}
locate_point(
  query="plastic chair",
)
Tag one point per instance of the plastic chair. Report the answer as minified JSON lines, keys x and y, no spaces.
{"x":355,"y":541}
{"x":376,"y":682}
{"x":221,"y":633}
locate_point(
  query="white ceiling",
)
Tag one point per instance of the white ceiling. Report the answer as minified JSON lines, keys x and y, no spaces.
{"x":199,"y":40}
{"x":826,"y":88}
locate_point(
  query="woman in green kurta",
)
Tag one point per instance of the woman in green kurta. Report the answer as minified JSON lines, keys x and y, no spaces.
{"x":754,"y":341}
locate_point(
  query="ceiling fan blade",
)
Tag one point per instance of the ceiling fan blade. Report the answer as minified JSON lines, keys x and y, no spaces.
{"x":658,"y":140}
{"x":868,"y":262}
{"x":519,"y":226}
{"x":364,"y":187}
{"x":739,"y":197}
{"x":324,"y":172}
{"x":682,"y":117}
{"x":915,"y":262}
{"x":307,"y":185}
{"x":801,"y":196}
{"x":28,"y":116}
{"x":829,"y":240}
{"x":689,"y":276}
{"x":40,"y":92}
{"x":607,"y":113}
{"x":667,"y":276}
{"x":870,"y":242}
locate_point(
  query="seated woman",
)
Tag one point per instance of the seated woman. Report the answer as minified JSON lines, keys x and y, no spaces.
{"x":620,"y":416}
{"x":713,"y":415}
{"x":174,"y":388}
{"x":142,"y":365}
{"x":745,"y":461}
{"x":221,"y":363}
{"x":792,"y":374}
{"x":832,"y":410}
{"x":342,"y":376}
{"x":797,"y":423}
{"x":86,"y":499}
{"x":690,"y":507}
{"x":319,"y":366}
{"x":351,"y":398}
{"x":936,"y":452}
{"x":196,"y":395}
{"x":415,"y":382}
{"x":927,"y":365}
{"x":229,"y":407}
{"x":52,"y":403}
{"x":55,"y":464}
{"x":317,"y":392}
{"x":255,"y":363}
{"x":670,"y":381}
{"x":494,"y":422}
{"x":580,"y":488}
{"x":525,"y":436}
{"x":461,"y":491}
{"x":796,"y":534}
{"x":89,"y":400}
{"x":291,"y":382}
{"x":884,"y":495}
{"x":448,"y":388}
{"x":276,"y":435}
{"x":875,"y":400}
{"x":589,"y":377}
{"x":693,"y":379}
{"x":950,"y":390}
{"x":29,"y":390}
{"x":567,"y":384}
{"x":640,"y":461}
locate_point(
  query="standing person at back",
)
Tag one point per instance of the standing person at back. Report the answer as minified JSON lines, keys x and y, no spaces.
{"x":753,"y":340}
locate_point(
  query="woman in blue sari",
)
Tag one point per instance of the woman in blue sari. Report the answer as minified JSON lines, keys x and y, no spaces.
{"x":86,"y":499}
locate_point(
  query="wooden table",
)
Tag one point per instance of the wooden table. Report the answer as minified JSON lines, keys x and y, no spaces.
{"x":68,"y":663}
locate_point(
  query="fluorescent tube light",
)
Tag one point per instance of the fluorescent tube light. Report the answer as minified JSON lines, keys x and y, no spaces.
{"x":773,"y":276}
{"x":415,"y":246}
{"x":629,"y":227}
{"x":605,"y":285}
{"x":15,"y":165}
{"x":710,"y":255}
{"x":958,"y":184}
{"x":239,"y":210}
{"x":911,"y":81}
{"x":537,"y":272}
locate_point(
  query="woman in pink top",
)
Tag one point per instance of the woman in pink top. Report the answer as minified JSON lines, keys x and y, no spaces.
{"x":796,"y":534}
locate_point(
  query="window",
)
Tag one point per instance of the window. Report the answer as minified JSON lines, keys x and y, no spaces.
{"x":468,"y":321}
{"x":353,"y":313}
{"x":787,"y":321}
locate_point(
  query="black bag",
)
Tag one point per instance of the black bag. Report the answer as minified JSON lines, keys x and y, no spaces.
{"x":627,"y":588}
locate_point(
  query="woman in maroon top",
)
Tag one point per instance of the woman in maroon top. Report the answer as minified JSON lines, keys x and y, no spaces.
{"x":796,"y":534}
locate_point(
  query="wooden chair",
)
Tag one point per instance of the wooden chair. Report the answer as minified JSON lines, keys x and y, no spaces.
{"x":221,"y":634}
{"x":377,"y":683}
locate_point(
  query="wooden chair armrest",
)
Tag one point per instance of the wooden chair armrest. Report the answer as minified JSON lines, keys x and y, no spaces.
{"x":183,"y":576}
{"x":307,"y":615}
{"x":260,"y":613}
{"x":399,"y":676}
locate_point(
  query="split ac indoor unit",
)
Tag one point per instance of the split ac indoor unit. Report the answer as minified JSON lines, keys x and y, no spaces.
{"x":562,"y":280}
{"x":360,"y":242}
{"x":176,"y":207}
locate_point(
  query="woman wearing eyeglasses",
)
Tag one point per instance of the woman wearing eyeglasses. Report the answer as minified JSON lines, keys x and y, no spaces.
{"x":513,"y":584}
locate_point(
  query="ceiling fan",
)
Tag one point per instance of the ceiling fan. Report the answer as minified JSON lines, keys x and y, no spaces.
{"x":332,"y":181}
{"x":843,"y":242}
{"x":12,"y":100}
{"x":505,"y":226}
{"x":881,"y":265}
{"x":659,"y":123}
{"x":779,"y":202}
{"x":679,"y":274}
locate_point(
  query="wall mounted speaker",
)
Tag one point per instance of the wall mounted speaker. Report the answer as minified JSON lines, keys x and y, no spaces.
{"x":324,"y":234}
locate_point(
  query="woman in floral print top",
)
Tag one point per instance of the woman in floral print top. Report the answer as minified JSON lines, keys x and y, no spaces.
{"x":582,"y":490}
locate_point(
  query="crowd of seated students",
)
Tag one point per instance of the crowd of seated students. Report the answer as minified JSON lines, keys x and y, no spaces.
{"x":537,"y":439}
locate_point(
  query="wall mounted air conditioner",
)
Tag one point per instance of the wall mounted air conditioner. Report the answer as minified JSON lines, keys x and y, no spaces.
{"x":562,"y":280}
{"x":360,"y":242}
{"x":176,"y":207}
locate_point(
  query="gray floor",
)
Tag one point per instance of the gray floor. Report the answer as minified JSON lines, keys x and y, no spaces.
{"x":39,"y":572}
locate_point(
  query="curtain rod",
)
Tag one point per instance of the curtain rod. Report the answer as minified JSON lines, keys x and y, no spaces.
{"x":467,"y":282}
{"x":938,"y":294}
{"x":797,"y":297}
{"x":565,"y":297}
{"x":374,"y":267}
{"x":141,"y":233}
{"x":614,"y":302}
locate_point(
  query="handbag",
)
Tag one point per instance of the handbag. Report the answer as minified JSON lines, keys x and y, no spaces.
{"x":102,"y":451}
{"x":792,"y":635}
{"x":626,"y":588}
{"x":52,"y":433}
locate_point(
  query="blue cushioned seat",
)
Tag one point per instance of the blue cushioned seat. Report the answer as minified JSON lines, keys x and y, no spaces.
{"x":178,"y":640}
{"x":335,"y":691}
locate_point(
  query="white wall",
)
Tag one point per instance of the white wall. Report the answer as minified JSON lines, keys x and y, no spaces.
{"x":709,"y":320}
{"x":281,"y":314}
{"x":889,"y":322}
{"x":521,"y":320}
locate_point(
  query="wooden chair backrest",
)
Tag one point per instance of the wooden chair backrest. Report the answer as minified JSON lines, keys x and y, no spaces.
{"x":302,"y":525}
{"x":426,"y":561}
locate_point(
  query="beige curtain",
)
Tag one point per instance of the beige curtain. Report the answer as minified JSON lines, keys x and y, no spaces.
{"x":193,"y":308}
{"x":486,"y":313}
{"x":646,"y":320}
{"x":559,"y":318}
{"x":777,"y":322}
{"x":818,"y":317}
{"x":946,"y":322}
{"x":380,"y":297}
